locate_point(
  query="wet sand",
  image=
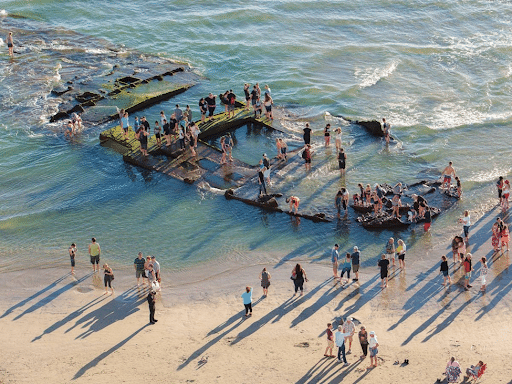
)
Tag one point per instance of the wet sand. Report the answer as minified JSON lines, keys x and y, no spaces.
{"x":57,"y":328}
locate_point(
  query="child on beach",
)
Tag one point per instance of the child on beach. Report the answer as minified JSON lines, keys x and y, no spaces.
{"x":265,"y":281}
{"x":330,"y":341}
{"x":247,"y":297}
{"x":483,"y":273}
{"x":444,"y":270}
{"x":505,"y":237}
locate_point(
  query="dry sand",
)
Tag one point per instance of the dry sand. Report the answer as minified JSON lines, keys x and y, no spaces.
{"x":59,"y":329}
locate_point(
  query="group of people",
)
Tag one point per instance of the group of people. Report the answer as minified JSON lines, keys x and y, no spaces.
{"x":253,"y":98}
{"x":74,"y":125}
{"x":503,"y":186}
{"x":307,"y":152}
{"x":453,"y":371}
{"x":345,"y":334}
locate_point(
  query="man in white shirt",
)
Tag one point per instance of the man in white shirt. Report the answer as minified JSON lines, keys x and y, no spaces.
{"x":156,"y":268}
{"x":339,"y":339}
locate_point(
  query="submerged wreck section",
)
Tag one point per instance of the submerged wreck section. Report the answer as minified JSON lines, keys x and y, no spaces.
{"x":436,"y":200}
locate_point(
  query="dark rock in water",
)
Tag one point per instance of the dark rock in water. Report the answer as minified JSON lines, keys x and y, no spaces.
{"x":374,"y":127}
{"x":128,"y":80}
{"x":60,"y":90}
{"x":188,"y":181}
{"x":77,"y":108}
{"x":86,"y":96}
{"x":320,"y":215}
{"x":381,"y":221}
{"x":59,"y":116}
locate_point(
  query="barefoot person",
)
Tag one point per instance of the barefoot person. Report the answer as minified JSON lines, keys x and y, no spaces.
{"x":444,"y":270}
{"x":298,"y":277}
{"x":10,"y":44}
{"x":72,"y":254}
{"x":330,"y":341}
{"x":327,"y":134}
{"x":294,"y":203}
{"x":483,"y":273}
{"x":125,"y":124}
{"x":373,"y":345}
{"x":138,"y":265}
{"x":390,"y":250}
{"x":108,"y":278}
{"x":448,"y":173}
{"x":247,"y":298}
{"x":383,"y":264}
{"x":400,"y":250}
{"x":466,"y":223}
{"x":265,"y":281}
{"x":355,"y":263}
{"x":334,"y":259}
{"x":94,"y":253}
{"x":385,"y":130}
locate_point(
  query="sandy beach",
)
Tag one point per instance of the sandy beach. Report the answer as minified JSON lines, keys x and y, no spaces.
{"x":61,"y":329}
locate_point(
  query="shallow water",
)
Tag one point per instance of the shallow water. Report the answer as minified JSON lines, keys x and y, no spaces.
{"x":439,"y":71}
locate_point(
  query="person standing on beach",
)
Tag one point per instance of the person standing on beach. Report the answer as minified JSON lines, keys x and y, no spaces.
{"x":298,"y":277}
{"x":483,"y":273}
{"x":468,"y":268}
{"x":340,"y":343}
{"x":138,"y":265}
{"x":94,"y":253}
{"x":448,"y":173}
{"x":363,"y":340}
{"x":499,"y":186}
{"x":247,"y":298}
{"x":346,"y":267}
{"x":156,"y":268}
{"x":210,"y":100}
{"x":151,"y":301}
{"x":383,"y":264}
{"x":355,"y":263}
{"x":466,"y":223}
{"x":334,"y":259}
{"x":444,"y":270}
{"x":72,"y":254}
{"x":400,"y":250}
{"x":505,"y":195}
{"x":307,"y":135}
{"x":265,"y":281}
{"x":330,"y":341}
{"x":10,"y":44}
{"x":390,"y":250}
{"x":373,"y":345}
{"x":108,"y":278}
{"x":349,"y":328}
{"x":505,"y":237}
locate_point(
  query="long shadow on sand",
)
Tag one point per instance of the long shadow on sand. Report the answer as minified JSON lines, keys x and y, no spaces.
{"x":52,"y":296}
{"x":231,"y":320}
{"x":73,"y":315}
{"x":500,"y":287}
{"x":28,"y":299}
{"x":105,"y":354}
{"x":114,"y":310}
{"x":327,"y":371}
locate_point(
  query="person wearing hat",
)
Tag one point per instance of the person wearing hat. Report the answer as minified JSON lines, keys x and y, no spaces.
{"x":340,"y":343}
{"x":350,"y":329}
{"x":151,"y":301}
{"x":373,"y":344}
{"x":355,"y":263}
{"x":334,"y":259}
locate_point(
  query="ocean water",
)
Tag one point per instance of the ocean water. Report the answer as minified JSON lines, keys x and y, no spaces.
{"x":440,"y":72}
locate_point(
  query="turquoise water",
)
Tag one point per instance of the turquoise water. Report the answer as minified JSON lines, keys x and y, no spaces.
{"x":440,"y":72}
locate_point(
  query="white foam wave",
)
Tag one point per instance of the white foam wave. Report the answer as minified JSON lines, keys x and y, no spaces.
{"x":97,"y":51}
{"x":1,"y":41}
{"x":371,"y":76}
{"x":489,"y":175}
{"x":3,"y":12}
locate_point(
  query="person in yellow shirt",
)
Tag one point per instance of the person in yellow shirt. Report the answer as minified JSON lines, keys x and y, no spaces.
{"x":94,"y":252}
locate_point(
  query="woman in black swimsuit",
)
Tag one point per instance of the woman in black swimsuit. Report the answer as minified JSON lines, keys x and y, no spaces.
{"x":327,"y":134}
